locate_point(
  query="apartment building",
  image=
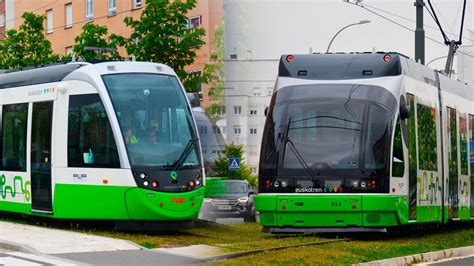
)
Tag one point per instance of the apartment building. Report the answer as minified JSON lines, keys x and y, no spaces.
{"x":65,"y":18}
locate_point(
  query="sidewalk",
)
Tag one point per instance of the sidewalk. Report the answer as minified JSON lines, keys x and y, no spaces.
{"x":60,"y":247}
{"x":40,"y":240}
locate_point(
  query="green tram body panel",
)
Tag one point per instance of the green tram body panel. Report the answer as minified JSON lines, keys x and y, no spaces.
{"x":114,"y":203}
{"x":343,"y":211}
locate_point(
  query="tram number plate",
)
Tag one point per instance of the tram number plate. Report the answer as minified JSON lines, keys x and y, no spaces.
{"x":224,"y":207}
{"x":336,"y":204}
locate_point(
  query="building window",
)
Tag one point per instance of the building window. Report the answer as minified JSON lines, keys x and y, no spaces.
{"x":14,"y":128}
{"x":237,"y":110}
{"x":68,"y":50}
{"x":89,"y":10}
{"x":198,"y":88}
{"x":137,"y":3}
{"x":237,"y":130}
{"x":2,"y":20}
{"x":254,"y":170}
{"x":269,"y":91}
{"x":195,"y":22}
{"x":112,"y":7}
{"x":253,"y":111}
{"x":203,"y":130}
{"x":256,"y":92}
{"x":253,"y":131}
{"x":49,"y":21}
{"x":224,"y":130}
{"x":91,"y":141}
{"x":68,"y":11}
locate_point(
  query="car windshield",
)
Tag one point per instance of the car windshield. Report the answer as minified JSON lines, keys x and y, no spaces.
{"x":228,"y":187}
{"x":154,"y":118}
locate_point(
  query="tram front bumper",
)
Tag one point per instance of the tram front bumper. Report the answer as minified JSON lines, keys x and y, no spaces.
{"x":147,"y":205}
{"x":323,"y":211}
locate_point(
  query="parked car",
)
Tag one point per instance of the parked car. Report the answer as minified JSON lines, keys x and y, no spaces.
{"x":229,"y":199}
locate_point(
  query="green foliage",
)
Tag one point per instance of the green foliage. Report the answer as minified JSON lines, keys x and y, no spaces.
{"x":162,"y":35}
{"x":453,"y":137}
{"x":220,"y":167}
{"x":428,"y":148}
{"x":412,"y":134}
{"x":214,"y":74}
{"x":464,"y":152}
{"x":93,"y":35}
{"x":26,"y":46}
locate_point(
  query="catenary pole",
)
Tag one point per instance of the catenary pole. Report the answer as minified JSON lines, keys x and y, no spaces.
{"x":419,"y":33}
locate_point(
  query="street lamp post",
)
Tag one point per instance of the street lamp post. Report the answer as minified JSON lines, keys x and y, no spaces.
{"x":337,"y":33}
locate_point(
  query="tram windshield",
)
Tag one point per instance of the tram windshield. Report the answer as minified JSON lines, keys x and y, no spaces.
{"x":329,"y":129}
{"x":155,"y":120}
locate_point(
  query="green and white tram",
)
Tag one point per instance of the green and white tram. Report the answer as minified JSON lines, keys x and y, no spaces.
{"x":112,"y":140}
{"x":363,"y":142}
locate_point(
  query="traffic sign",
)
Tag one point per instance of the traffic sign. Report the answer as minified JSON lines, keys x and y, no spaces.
{"x":233,"y":164}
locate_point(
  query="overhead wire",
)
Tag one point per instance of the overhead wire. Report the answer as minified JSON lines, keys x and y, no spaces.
{"x":450,"y":28}
{"x":364,"y":6}
{"x":412,"y":20}
{"x":435,"y":17}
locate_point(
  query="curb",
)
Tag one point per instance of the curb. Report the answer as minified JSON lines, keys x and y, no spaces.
{"x":423,"y":257}
{"x":19,"y":247}
{"x":30,"y":250}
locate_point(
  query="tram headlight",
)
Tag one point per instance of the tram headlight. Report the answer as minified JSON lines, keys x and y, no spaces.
{"x":243,"y":199}
{"x":363,"y":184}
{"x":284,"y":184}
{"x":355,"y":184}
{"x":276,"y":184}
{"x":142,"y":175}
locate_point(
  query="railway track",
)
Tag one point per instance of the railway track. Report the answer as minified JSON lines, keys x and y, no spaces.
{"x":261,"y":250}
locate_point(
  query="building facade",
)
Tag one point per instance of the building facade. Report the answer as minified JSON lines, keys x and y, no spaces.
{"x":65,"y":18}
{"x":258,"y":32}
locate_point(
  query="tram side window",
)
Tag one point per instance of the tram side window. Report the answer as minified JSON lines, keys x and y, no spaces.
{"x":91,"y":141}
{"x":14,"y":128}
{"x":453,"y":143}
{"x":398,"y":167}
{"x":471,"y":147}
{"x":427,"y":141}
{"x":464,"y":144}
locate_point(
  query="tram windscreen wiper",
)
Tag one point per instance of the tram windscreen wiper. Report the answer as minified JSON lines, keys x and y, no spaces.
{"x":185,"y":154}
{"x":286,"y":140}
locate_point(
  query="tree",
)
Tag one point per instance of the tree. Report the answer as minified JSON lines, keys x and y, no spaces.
{"x":93,"y":35}
{"x":26,"y":46}
{"x":214,"y":74}
{"x":162,"y":35}
{"x":220,"y":167}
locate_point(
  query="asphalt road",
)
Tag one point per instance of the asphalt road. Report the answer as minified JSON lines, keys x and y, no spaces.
{"x":130,"y":257}
{"x":465,"y":261}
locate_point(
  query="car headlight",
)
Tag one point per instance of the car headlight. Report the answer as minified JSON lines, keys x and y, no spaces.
{"x":243,"y":199}
{"x":207,"y":200}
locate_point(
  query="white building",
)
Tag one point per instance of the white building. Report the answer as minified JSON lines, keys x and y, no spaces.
{"x":258,"y":32}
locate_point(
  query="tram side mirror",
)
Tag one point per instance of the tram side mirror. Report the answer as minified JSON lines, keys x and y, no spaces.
{"x":266,"y":111}
{"x":404,"y":111}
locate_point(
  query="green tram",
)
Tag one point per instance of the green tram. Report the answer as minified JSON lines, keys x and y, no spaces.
{"x":112,"y":140}
{"x":363,"y":142}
